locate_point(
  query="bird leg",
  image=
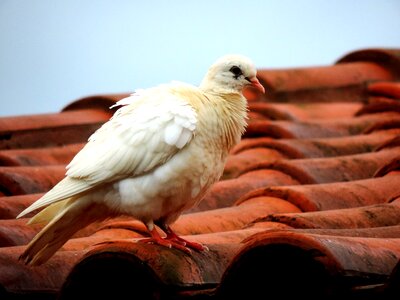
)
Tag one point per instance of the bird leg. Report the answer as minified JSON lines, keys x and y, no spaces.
{"x":157,"y":239}
{"x":172,"y":236}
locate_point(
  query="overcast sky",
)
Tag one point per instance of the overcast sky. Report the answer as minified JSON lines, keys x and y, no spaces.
{"x":53,"y":52}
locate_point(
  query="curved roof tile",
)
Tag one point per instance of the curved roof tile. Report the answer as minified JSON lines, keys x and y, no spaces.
{"x":308,"y":204}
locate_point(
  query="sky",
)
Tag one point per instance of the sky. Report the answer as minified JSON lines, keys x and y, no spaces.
{"x":54,"y":52}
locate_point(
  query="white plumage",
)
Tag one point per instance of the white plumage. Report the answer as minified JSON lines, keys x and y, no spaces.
{"x":157,"y":156}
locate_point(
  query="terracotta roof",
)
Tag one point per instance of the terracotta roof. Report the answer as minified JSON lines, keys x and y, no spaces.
{"x":309,"y":203}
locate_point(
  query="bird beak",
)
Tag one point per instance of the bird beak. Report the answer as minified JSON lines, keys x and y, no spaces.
{"x":255,"y":83}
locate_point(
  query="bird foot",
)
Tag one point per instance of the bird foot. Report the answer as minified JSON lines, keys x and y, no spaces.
{"x":188,"y":244}
{"x":166,"y":243}
{"x":172,"y":240}
{"x":172,"y":236}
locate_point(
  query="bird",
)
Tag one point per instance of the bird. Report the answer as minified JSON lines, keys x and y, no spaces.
{"x":156,"y":157}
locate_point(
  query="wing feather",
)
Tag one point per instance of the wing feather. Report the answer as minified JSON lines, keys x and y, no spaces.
{"x":140,"y":136}
{"x":172,"y":133}
{"x":139,"y":139}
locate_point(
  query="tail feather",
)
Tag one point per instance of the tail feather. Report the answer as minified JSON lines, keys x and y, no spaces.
{"x":66,"y":188}
{"x":47,"y":214}
{"x":75,"y":215}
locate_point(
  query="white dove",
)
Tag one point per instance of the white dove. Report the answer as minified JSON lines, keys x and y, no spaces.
{"x":156,"y":157}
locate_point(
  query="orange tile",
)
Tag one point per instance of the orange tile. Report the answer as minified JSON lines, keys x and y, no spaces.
{"x":318,"y":147}
{"x":300,"y":264}
{"x":369,"y":216}
{"x":309,"y":198}
{"x":225,"y":192}
{"x":29,"y":180}
{"x":39,"y":156}
{"x":11,"y":206}
{"x":322,"y":128}
{"x":38,"y":131}
{"x":335,"y":195}
{"x":387,"y":89}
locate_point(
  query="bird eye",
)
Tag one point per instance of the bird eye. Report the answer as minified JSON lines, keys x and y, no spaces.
{"x":236,"y":71}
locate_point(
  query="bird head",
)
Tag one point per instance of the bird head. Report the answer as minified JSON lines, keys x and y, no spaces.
{"x":231,"y":73}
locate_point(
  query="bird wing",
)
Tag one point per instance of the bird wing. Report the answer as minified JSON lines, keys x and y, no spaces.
{"x":142,"y":135}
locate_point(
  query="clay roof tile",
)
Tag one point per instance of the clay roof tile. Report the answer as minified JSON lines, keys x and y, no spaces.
{"x":309,"y":198}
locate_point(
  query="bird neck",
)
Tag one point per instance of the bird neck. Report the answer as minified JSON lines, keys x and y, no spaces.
{"x":230,"y":114}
